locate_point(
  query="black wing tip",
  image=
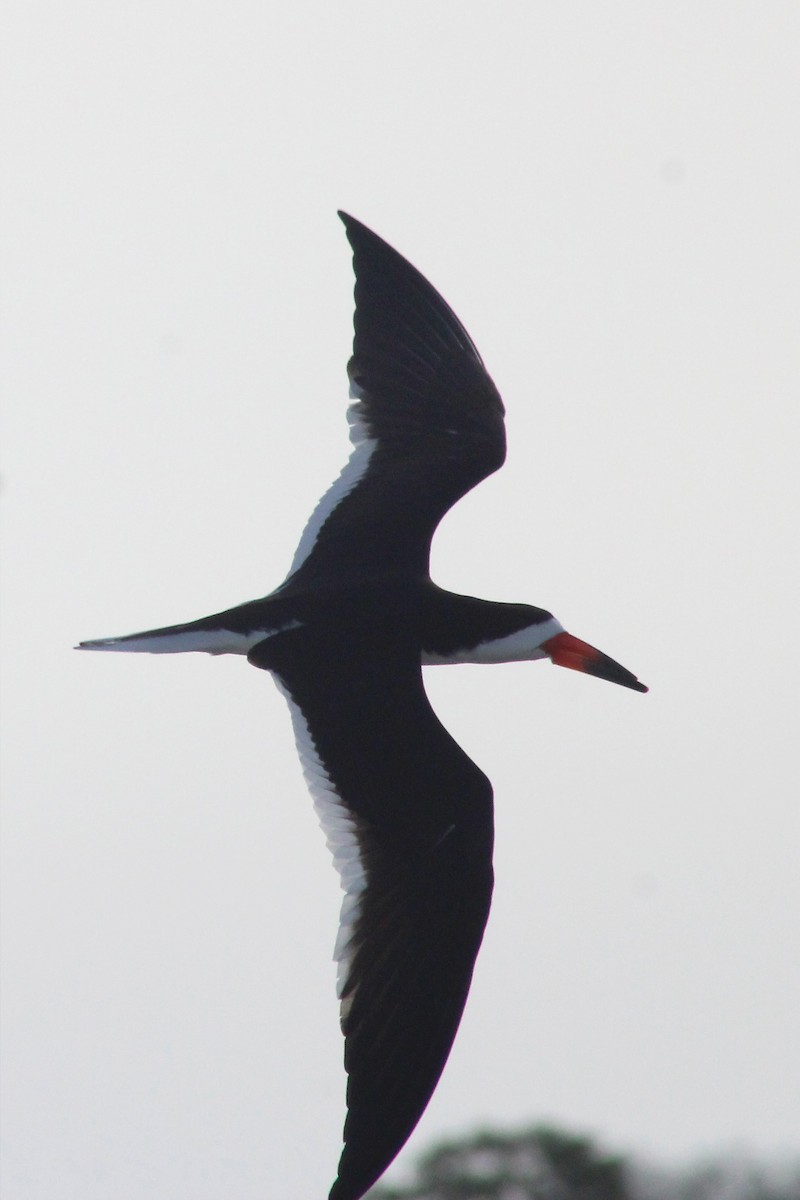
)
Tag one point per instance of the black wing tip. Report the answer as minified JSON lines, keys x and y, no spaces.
{"x":360,"y":236}
{"x":380,"y":267}
{"x":352,"y":226}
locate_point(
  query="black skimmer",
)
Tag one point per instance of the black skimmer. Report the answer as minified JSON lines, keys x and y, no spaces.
{"x":408,"y":816}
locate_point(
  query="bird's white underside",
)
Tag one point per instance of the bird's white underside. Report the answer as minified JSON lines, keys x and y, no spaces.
{"x":339,"y":828}
{"x":352,"y":472}
{"x":523,"y":646}
{"x":206,"y":641}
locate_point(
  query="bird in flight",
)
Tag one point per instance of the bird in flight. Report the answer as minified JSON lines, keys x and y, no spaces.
{"x":407,"y":815}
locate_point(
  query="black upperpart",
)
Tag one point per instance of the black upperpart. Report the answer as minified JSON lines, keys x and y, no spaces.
{"x":408,"y":815}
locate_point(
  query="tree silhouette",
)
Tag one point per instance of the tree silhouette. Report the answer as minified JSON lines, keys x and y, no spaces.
{"x":537,"y":1164}
{"x":544,"y":1163}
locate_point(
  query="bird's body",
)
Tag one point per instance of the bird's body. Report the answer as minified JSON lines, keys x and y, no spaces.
{"x":407,"y":815}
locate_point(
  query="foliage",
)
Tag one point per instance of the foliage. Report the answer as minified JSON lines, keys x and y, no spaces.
{"x":544,"y":1163}
{"x":537,"y":1164}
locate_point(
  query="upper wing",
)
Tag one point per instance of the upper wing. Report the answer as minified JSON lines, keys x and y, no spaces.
{"x":427,"y":424}
{"x":408,"y":818}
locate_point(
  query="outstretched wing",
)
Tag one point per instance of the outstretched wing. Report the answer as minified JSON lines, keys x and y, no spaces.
{"x":428,"y":424}
{"x":408,"y":818}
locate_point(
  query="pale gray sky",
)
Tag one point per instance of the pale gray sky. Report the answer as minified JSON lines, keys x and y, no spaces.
{"x":607,"y":194}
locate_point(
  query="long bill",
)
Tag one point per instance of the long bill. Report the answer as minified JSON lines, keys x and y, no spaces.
{"x":568,"y":651}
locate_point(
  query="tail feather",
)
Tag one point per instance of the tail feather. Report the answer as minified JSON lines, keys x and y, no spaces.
{"x":178,"y":640}
{"x":210,"y":635}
